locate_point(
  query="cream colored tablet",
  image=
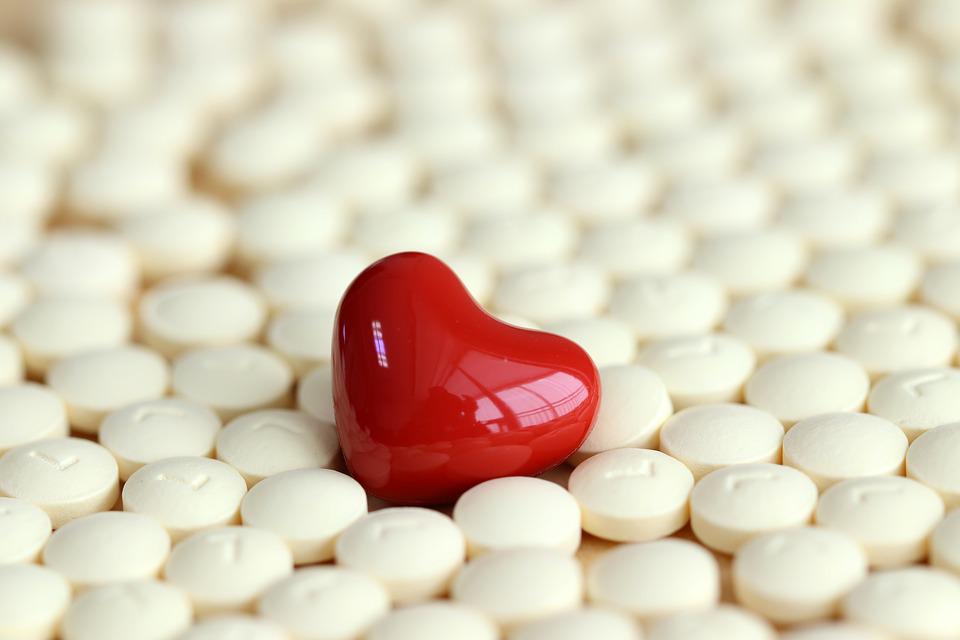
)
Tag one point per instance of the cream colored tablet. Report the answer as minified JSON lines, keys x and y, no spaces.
{"x":475,"y":273}
{"x":17,"y":239}
{"x":552,"y":292}
{"x":831,"y":447}
{"x":627,"y":248}
{"x":589,"y":622}
{"x":30,"y":412}
{"x":425,"y":226}
{"x":834,"y":631}
{"x":889,"y":340}
{"x":632,"y":494}
{"x":200,"y":312}
{"x":797,"y":575}
{"x":932,"y":459}
{"x":233,"y":380}
{"x":916,"y":177}
{"x":709,"y":437}
{"x":302,"y":336}
{"x":945,"y":543}
{"x":227,"y":568}
{"x":264,"y":443}
{"x":241,"y":626}
{"x":607,"y":340}
{"x":634,"y":405}
{"x":671,"y":305}
{"x":143,"y":609}
{"x":66,"y":477}
{"x":54,"y":327}
{"x":325,"y":603}
{"x":653,"y":579}
{"x":413,"y":552}
{"x":315,"y":394}
{"x":83,"y":262}
{"x":750,"y":262}
{"x":506,"y":513}
{"x":186,"y":494}
{"x":700,"y":369}
{"x":933,"y":232}
{"x":25,"y":529}
{"x":51,"y":132}
{"x":941,"y":288}
{"x":437,"y":620}
{"x":726,"y":622}
{"x":94,"y":383}
{"x":917,"y":400}
{"x":795,"y":387}
{"x":11,"y":362}
{"x":370,"y":173}
{"x":287,"y":504}
{"x":784,"y":322}
{"x":712,"y":204}
{"x":32,"y":602}
{"x":891,"y":517}
{"x":865,"y":277}
{"x":730,"y":506}
{"x":915,"y":602}
{"x":603,"y":190}
{"x":804,"y":165}
{"x":518,"y":586}
{"x":15,"y":295}
{"x":508,"y":241}
{"x":316,"y":280}
{"x":108,"y":547}
{"x":837,"y":217}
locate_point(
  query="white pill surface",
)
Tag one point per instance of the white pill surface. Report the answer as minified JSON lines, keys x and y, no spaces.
{"x":945,"y":543}
{"x":510,"y":241}
{"x":670,"y":305}
{"x":143,"y":609}
{"x":627,"y":248}
{"x":24,"y":530}
{"x":83,"y":262}
{"x":303,"y":337}
{"x":865,"y":277}
{"x":30,"y":412}
{"x":917,"y":400}
{"x":32,"y":601}
{"x":552,"y":292}
{"x":315,"y":280}
{"x":589,"y":622}
{"x":608,"y":341}
{"x":66,"y":477}
{"x":837,"y":217}
{"x":716,"y":204}
{"x":725,"y":622}
{"x":632,"y":494}
{"x":436,"y":620}
{"x":797,"y":575}
{"x":315,"y":394}
{"x":932,"y":232}
{"x":15,"y":295}
{"x":241,"y":626}
{"x":653,"y":579}
{"x":413,"y":552}
{"x":932,"y":459}
{"x":941,"y":288}
{"x":750,"y":262}
{"x":424,"y":226}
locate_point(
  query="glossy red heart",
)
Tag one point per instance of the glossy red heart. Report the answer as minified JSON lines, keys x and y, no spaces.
{"x":434,"y":395}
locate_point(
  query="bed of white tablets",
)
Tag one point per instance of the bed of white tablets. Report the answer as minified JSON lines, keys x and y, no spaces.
{"x":747,"y":212}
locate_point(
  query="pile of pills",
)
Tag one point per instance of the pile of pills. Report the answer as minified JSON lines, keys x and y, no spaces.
{"x":747,"y":212}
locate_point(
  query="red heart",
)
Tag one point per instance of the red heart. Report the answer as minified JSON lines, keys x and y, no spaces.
{"x":433,"y":395}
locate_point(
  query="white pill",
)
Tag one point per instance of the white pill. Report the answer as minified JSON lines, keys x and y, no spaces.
{"x":553,"y":292}
{"x":653,"y":579}
{"x":425,"y":226}
{"x":518,"y":586}
{"x":795,"y":387}
{"x":916,"y":177}
{"x":51,"y":132}
{"x":315,"y":394}
{"x":730,"y":506}
{"x":512,"y":512}
{"x":608,"y":341}
{"x":30,"y":412}
{"x":236,"y":625}
{"x":435,"y":621}
{"x":888,"y":340}
{"x":804,"y":165}
{"x":891,"y":517}
{"x":725,"y":622}
{"x":29,"y":189}
{"x":837,"y":217}
{"x":25,"y":528}
{"x":186,"y":494}
{"x":508,"y":241}
{"x":325,"y":603}
{"x":17,"y":239}
{"x":370,"y":173}
{"x":94,"y":383}
{"x":915,"y":602}
{"x":588,"y":622}
{"x":783,"y":322}
{"x":932,"y":232}
{"x":109,"y":547}
{"x":143,"y":609}
{"x":159,"y":126}
{"x":797,"y":575}
{"x":11,"y":362}
{"x":720,"y":204}
{"x":32,"y":602}
{"x":941,"y":288}
{"x":945,"y":543}
{"x":859,"y":277}
{"x":303,"y":337}
{"x":475,"y":273}
{"x":66,"y":477}
{"x":633,"y":247}
{"x":932,"y":459}
{"x":917,"y":400}
{"x":413,"y":552}
{"x":200,"y":312}
{"x":831,"y":447}
{"x":633,"y":406}
{"x":700,"y":369}
{"x":55,"y":327}
{"x":15,"y":295}
{"x":604,"y":190}
{"x":317,"y":280}
{"x":233,"y":380}
{"x":227,"y":568}
{"x":670,"y":305}
{"x":749,"y":262}
{"x":83,"y":262}
{"x":632,"y":494}
{"x":833,"y":631}
{"x":712,"y":436}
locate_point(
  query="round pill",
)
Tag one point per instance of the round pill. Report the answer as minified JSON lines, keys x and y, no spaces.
{"x":712,"y":204}
{"x":227,"y":568}
{"x":917,"y":400}
{"x":241,"y":626}
{"x":506,"y":513}
{"x":797,"y":575}
{"x":891,"y":517}
{"x":915,"y":602}
{"x":732,"y":505}
{"x":750,"y":262}
{"x":413,"y":552}
{"x":665,"y":306}
{"x":608,"y":341}
{"x":509,"y":241}
{"x":632,"y":494}
{"x":429,"y":227}
{"x":32,"y":601}
{"x":200,"y":312}
{"x":799,"y":386}
{"x":552,"y":292}
{"x":700,"y":369}
{"x":325,"y":603}
{"x":518,"y":586}
{"x":264,"y":443}
{"x":725,"y":622}
{"x":654,"y":579}
{"x":709,"y":437}
{"x":94,"y":383}
{"x":66,"y":477}
{"x":932,"y":459}
{"x":303,"y":337}
{"x":634,"y":405}
{"x":434,"y":621}
{"x":315,"y":280}
{"x":488,"y":184}
{"x":604,"y":189}
{"x":941,"y":288}
{"x":581,"y":624}
{"x":144,"y":609}
{"x":366,"y":174}
{"x":286,"y":503}
{"x":84,"y":263}
{"x":933,"y":232}
{"x":15,"y":295}
{"x":833,"y":631}
{"x":233,"y":380}
{"x":30,"y":412}
{"x":945,"y":543}
{"x":837,"y":217}
{"x":865,"y":277}
{"x":629,"y":248}
{"x":186,"y":494}
{"x":25,"y":529}
{"x":107,"y":547}
{"x":315,"y":394}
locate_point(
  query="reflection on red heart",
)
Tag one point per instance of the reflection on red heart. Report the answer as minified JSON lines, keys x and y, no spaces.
{"x":433,"y":395}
